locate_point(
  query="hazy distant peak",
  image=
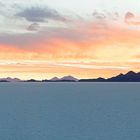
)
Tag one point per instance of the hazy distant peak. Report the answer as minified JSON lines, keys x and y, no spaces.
{"x":9,"y":79}
{"x":55,"y":79}
{"x":69,"y":77}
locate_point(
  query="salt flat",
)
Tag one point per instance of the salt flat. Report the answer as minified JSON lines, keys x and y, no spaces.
{"x":69,"y":111}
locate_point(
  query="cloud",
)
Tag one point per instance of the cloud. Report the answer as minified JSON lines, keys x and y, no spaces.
{"x":105,"y":15}
{"x":38,"y":14}
{"x":131,"y":19}
{"x":94,"y":65}
{"x":78,"y":43}
{"x":76,"y":47}
{"x":33,"y":27}
{"x":129,"y":16}
{"x":91,"y":33}
{"x":99,"y":15}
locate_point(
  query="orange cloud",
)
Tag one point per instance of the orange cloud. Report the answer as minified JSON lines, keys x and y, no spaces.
{"x":87,"y":50}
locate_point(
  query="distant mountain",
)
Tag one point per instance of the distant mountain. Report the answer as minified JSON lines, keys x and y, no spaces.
{"x":93,"y":80}
{"x":32,"y":80}
{"x":64,"y":79}
{"x":69,"y":78}
{"x":8,"y":79}
{"x":128,"y":77}
{"x":54,"y":79}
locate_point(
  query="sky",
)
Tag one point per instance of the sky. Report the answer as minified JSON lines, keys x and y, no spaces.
{"x":41,"y":39}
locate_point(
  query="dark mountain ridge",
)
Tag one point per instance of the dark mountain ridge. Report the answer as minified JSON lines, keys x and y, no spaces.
{"x":128,"y":77}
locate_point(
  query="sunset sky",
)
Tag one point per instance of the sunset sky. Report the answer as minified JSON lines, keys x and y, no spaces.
{"x":41,"y":39}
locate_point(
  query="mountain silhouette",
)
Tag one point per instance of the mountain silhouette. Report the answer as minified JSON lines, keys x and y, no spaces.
{"x":128,"y":77}
{"x":54,"y":79}
{"x":69,"y":78}
{"x":64,"y":79}
{"x":8,"y":79}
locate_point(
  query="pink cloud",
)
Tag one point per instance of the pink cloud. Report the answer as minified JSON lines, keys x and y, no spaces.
{"x":131,"y":19}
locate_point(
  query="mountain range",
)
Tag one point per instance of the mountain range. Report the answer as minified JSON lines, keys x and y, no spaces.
{"x":128,"y":77}
{"x":8,"y":79}
{"x":65,"y":78}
